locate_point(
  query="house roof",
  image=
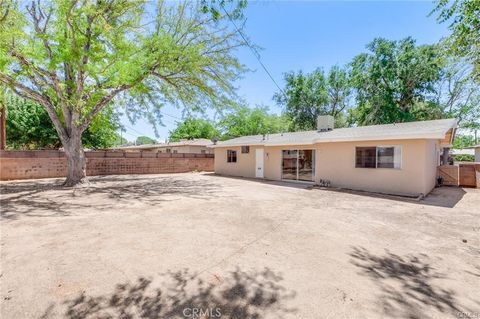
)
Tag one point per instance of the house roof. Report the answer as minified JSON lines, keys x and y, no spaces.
{"x":474,"y":146}
{"x":435,"y":129}
{"x":194,"y":142}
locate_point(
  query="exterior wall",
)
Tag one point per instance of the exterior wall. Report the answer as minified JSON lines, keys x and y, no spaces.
{"x":477,"y":154}
{"x":244,"y":167}
{"x":336,"y":162}
{"x":46,"y":164}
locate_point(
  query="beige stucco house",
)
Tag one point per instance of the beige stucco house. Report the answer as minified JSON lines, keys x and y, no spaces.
{"x":195,"y":146}
{"x":395,"y":158}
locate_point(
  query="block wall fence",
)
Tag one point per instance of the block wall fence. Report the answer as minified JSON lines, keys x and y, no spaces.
{"x":47,"y":164}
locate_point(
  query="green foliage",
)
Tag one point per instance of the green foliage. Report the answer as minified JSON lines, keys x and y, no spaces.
{"x":102,"y":132}
{"x":142,"y":140}
{"x":395,"y":82}
{"x":459,"y":94}
{"x":463,"y":17}
{"x":29,"y":127}
{"x":245,"y":121}
{"x":463,"y":141}
{"x":75,"y":58}
{"x":306,"y":96}
{"x":120,"y":141}
{"x":464,"y":158}
{"x":193,"y":128}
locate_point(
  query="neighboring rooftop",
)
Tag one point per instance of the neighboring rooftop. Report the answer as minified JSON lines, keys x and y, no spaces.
{"x":464,"y":151}
{"x":194,"y":142}
{"x":435,"y":129}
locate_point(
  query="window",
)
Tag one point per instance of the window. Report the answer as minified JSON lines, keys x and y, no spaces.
{"x":378,"y":157}
{"x":169,"y":150}
{"x":245,"y":149}
{"x":203,"y":151}
{"x":231,"y":156}
{"x":365,"y":157}
{"x":175,"y":151}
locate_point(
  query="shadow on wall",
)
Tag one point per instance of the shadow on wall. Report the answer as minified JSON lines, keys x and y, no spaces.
{"x":50,"y":199}
{"x":239,"y":295}
{"x":407,"y":285}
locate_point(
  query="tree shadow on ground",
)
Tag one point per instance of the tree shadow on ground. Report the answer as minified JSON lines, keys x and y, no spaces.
{"x":181,"y":294}
{"x":407,"y":285}
{"x":51,"y":199}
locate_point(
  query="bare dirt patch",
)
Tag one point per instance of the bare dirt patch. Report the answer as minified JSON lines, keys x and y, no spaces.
{"x":151,"y":246}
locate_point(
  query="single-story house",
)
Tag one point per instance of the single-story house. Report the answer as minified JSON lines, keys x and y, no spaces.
{"x":195,"y":146}
{"x":397,"y":158}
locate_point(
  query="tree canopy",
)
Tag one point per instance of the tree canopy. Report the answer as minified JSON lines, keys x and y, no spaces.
{"x":29,"y":127}
{"x":395,"y":81}
{"x":193,"y":128}
{"x":246,"y":121}
{"x":76,"y":57}
{"x":142,"y":140}
{"x":306,"y":96}
{"x":463,"y":17}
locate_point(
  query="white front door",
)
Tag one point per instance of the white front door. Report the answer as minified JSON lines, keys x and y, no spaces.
{"x":259,"y":163}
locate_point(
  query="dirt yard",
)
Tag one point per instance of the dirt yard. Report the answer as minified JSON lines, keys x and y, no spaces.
{"x":192,"y":245}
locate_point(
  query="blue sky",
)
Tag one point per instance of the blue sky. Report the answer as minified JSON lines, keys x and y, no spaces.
{"x":305,"y":35}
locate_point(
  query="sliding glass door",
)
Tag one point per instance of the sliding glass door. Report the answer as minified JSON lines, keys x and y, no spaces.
{"x":298,"y":165}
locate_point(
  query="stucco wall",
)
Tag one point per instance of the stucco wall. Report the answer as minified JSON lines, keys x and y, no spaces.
{"x":336,"y":162}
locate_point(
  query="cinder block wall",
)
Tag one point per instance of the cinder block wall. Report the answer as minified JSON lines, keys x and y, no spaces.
{"x":46,"y":164}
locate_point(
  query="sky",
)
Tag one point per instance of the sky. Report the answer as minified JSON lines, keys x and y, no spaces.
{"x":297,"y":35}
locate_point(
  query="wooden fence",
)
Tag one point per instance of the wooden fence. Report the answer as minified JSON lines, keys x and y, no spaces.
{"x":45,"y":164}
{"x":464,"y":174}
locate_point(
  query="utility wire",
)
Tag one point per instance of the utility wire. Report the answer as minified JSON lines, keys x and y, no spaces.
{"x":254,"y":51}
{"x":131,"y":128}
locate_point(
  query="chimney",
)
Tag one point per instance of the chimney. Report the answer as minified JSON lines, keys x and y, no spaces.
{"x":325,"y":123}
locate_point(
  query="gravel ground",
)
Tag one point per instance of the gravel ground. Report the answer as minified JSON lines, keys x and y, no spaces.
{"x":193,"y":245}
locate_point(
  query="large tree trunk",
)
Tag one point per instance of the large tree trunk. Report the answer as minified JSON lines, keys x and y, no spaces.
{"x":76,"y":161}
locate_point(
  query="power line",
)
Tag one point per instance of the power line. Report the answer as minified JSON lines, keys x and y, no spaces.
{"x":131,"y":128}
{"x":254,"y":51}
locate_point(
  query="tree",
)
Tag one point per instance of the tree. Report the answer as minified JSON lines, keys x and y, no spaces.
{"x":245,"y":121}
{"x":463,"y":16}
{"x":395,"y":81}
{"x":29,"y":127}
{"x":193,"y":128}
{"x":75,"y":58}
{"x":142,"y":140}
{"x":458,"y":94}
{"x":306,"y":96}
{"x":463,"y":141}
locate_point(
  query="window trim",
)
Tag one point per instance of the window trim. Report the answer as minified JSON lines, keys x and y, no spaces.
{"x":231,"y":157}
{"x":400,"y":147}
